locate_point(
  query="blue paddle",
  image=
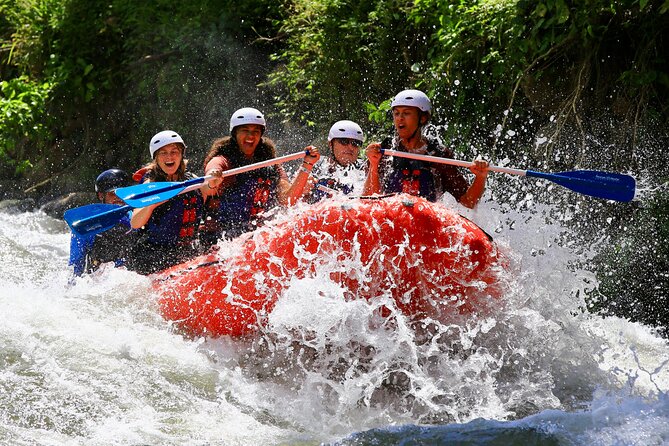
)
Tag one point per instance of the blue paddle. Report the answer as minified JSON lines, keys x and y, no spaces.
{"x":106,"y":217}
{"x":146,"y":194}
{"x":97,"y":218}
{"x":606,"y":185}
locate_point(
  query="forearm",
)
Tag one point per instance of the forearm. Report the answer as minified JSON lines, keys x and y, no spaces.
{"x":372,"y":182}
{"x":141,"y":216}
{"x":471,"y":198}
{"x":295,"y":191}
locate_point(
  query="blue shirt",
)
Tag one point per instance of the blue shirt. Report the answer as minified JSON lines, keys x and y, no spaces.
{"x":81,"y":247}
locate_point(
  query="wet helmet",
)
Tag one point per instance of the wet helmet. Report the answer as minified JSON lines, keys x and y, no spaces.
{"x":412,"y":98}
{"x":245,"y":116}
{"x":111,"y":179}
{"x":164,"y":138}
{"x":345,"y":129}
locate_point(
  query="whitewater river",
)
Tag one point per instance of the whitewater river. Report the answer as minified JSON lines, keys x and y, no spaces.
{"x":93,"y":363}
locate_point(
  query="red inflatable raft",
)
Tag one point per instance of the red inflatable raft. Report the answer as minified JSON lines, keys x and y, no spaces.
{"x":433,"y":262}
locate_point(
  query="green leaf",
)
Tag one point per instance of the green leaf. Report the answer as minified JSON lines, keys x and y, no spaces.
{"x":665,"y":7}
{"x":562,"y":13}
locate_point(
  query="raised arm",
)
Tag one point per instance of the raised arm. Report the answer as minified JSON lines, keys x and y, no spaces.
{"x":471,"y":198}
{"x":288,"y":193}
{"x":372,"y":182}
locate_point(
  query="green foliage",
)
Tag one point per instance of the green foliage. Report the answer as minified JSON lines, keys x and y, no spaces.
{"x":152,"y":61}
{"x":474,"y":59}
{"x":22,"y":105}
{"x":634,"y":271}
{"x":338,"y":55}
{"x":258,"y":20}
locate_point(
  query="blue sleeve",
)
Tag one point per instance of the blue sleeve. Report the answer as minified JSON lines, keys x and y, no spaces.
{"x":79,"y":248}
{"x":125,"y":221}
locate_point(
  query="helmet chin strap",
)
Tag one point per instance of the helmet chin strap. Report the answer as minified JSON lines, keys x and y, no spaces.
{"x":418,"y":129}
{"x":331,"y":147}
{"x":416,"y":133}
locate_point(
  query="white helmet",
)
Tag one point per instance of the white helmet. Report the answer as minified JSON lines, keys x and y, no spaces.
{"x":247,"y":115}
{"x":345,"y":129}
{"x":412,"y":98}
{"x":164,"y":138}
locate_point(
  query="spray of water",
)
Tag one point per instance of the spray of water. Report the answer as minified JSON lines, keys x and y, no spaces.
{"x":94,"y":362}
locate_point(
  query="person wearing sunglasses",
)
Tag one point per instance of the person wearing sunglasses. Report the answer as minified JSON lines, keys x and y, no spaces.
{"x":342,"y":170}
{"x":411,"y":110}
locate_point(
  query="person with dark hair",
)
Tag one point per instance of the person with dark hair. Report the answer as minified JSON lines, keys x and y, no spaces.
{"x":411,"y":113}
{"x":168,"y":231}
{"x":88,"y":252}
{"x":242,"y":202}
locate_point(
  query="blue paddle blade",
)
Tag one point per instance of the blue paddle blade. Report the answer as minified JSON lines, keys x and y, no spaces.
{"x":73,"y":215}
{"x":95,"y":218}
{"x":142,"y":195}
{"x":606,"y":185}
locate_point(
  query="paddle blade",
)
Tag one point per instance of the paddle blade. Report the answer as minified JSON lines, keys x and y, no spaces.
{"x":606,"y":185}
{"x":73,"y":215}
{"x":142,"y":195}
{"x":95,"y":218}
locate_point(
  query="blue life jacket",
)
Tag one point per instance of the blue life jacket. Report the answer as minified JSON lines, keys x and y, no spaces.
{"x":241,"y":206}
{"x":80,"y":245}
{"x":170,"y":235}
{"x":331,"y":183}
{"x":334,"y":176}
{"x":175,"y":222}
{"x":422,"y":178}
{"x":411,"y":177}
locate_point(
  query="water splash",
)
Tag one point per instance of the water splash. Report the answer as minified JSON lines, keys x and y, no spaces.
{"x":95,"y":363}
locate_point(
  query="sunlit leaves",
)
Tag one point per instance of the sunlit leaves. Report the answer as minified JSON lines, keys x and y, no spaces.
{"x":22,"y":114}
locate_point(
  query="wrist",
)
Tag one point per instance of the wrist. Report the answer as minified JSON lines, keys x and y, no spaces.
{"x":307,"y":162}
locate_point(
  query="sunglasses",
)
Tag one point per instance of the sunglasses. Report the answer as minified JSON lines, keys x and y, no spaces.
{"x":349,"y":141}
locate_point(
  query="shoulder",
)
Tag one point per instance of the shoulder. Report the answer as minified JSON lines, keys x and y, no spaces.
{"x":141,"y":175}
{"x":266,"y":142}
{"x":437,"y":148}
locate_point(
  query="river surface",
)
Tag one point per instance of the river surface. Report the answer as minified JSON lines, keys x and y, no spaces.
{"x":92,"y":362}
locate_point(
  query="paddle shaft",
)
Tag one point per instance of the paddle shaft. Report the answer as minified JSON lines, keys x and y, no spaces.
{"x":196,"y":183}
{"x":260,"y":165}
{"x":607,"y":185}
{"x":450,"y":161}
{"x":101,"y":221}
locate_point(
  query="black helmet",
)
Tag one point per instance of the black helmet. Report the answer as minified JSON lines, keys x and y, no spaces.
{"x":111,"y":179}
